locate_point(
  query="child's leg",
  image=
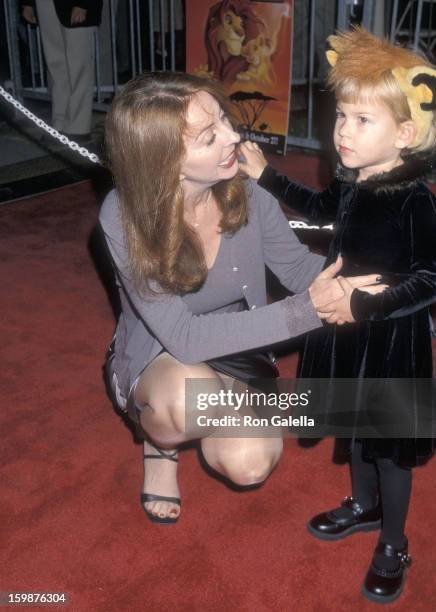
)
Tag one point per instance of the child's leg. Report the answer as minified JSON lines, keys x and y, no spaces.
{"x":385,"y":577}
{"x":395,"y":489}
{"x":364,"y":478}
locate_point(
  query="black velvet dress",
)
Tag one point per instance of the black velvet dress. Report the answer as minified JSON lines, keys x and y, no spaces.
{"x":386,"y":225}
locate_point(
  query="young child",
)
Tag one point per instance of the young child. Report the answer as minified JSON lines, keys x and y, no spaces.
{"x":384,"y":221}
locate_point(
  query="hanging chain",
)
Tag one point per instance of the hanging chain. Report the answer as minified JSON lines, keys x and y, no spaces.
{"x":54,"y":133}
{"x":95,"y":159}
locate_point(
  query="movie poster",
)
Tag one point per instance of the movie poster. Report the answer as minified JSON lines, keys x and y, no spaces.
{"x":247,"y":45}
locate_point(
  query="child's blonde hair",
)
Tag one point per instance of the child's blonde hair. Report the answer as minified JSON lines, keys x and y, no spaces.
{"x":364,"y":68}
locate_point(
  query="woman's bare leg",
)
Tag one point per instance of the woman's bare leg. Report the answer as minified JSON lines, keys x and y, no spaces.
{"x":161,"y":390}
{"x":246,"y":459}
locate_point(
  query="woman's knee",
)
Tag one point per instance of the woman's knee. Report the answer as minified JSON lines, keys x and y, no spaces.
{"x":249,"y":474}
{"x":162,"y":392}
{"x":246,"y":466}
{"x":164,"y":410}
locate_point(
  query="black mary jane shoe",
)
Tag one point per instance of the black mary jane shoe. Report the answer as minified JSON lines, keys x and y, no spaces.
{"x":328,"y":526}
{"x":385,"y":586}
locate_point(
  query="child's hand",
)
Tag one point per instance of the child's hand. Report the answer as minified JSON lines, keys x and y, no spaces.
{"x":254,"y":162}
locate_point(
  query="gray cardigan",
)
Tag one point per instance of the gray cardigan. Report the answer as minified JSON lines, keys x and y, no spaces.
{"x":229,"y":314}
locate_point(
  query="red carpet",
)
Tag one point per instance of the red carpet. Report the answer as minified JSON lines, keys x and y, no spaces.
{"x":71,"y":475}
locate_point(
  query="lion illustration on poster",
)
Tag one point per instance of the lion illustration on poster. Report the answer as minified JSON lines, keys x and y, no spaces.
{"x":258,"y":53}
{"x":230,"y":25}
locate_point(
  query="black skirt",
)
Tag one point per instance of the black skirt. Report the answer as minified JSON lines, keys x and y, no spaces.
{"x":254,"y":368}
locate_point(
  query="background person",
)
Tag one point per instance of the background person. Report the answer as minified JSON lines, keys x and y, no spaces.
{"x":67,"y":34}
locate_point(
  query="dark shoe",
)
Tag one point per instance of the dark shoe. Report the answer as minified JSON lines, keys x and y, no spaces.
{"x":385,"y":586}
{"x":148,"y":497}
{"x":333,"y":525}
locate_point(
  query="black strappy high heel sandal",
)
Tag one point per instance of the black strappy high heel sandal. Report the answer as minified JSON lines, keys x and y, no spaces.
{"x":148,"y":497}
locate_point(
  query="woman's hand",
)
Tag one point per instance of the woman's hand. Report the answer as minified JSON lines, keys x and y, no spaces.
{"x":331,"y":296}
{"x":255,"y":161}
{"x":339,"y":311}
{"x":325,"y":289}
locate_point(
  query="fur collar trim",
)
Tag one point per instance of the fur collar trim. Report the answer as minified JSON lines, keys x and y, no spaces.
{"x":415,"y":168}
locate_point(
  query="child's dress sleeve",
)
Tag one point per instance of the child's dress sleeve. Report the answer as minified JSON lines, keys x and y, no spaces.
{"x":317,"y":206}
{"x":416,"y":289}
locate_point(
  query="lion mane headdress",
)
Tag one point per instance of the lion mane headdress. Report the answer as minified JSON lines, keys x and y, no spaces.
{"x":358,"y":56}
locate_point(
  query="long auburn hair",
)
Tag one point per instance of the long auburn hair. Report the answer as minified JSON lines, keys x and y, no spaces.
{"x":144,"y":138}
